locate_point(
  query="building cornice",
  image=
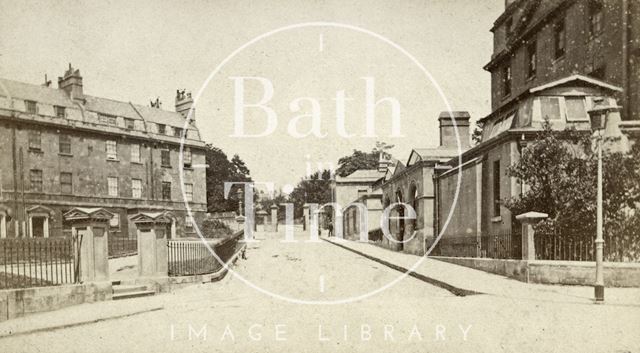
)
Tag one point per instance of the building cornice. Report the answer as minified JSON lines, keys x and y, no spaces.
{"x":18,"y":117}
{"x":508,"y":11}
{"x":108,"y":202}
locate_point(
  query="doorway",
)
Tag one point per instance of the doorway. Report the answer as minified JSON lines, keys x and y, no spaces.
{"x":37,"y":227}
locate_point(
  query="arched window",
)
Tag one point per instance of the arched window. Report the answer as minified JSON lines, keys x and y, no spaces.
{"x":413,"y":194}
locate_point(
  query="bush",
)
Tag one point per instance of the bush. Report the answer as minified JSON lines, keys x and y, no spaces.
{"x":215,"y":228}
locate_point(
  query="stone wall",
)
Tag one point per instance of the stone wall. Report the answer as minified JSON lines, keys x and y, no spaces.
{"x":20,"y":302}
{"x":553,"y":272}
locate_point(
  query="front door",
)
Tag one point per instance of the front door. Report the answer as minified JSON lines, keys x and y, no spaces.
{"x":37,"y":224}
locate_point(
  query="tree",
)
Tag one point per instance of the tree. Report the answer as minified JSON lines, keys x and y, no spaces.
{"x":362,"y":160}
{"x":560,"y":170}
{"x":314,"y":189}
{"x":240,"y":169}
{"x":476,"y":135}
{"x":219,"y":171}
{"x":317,"y":187}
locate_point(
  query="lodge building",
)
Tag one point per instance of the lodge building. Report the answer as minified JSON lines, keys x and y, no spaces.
{"x":553,"y":61}
{"x":61,"y":148}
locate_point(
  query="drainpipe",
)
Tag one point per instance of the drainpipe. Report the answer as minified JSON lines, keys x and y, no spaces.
{"x":152,"y":194}
{"x":625,"y":58}
{"x":15,"y":175}
{"x":436,"y":208}
{"x":24,"y":206}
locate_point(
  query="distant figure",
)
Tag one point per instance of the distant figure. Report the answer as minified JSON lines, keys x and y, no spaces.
{"x":243,"y":254}
{"x":330,"y":227}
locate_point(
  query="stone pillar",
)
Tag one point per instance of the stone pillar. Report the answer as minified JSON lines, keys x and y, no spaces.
{"x":152,"y":232}
{"x":305,"y":215}
{"x":91,"y":226}
{"x":3,"y":225}
{"x":528,"y":220}
{"x":312,"y":224}
{"x":338,"y":224}
{"x":321,"y":220}
{"x":240,"y":221}
{"x":94,"y":260}
{"x":274,"y":218}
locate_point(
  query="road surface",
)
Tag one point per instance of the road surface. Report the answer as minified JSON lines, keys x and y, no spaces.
{"x":411,"y":316}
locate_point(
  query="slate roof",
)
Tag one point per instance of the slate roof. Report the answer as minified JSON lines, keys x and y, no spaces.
{"x":57,"y":97}
{"x":362,"y":175}
{"x":437,"y":153}
{"x":36,"y":93}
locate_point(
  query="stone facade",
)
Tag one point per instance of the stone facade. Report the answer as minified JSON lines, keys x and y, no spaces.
{"x":477,"y":223}
{"x":411,"y":184}
{"x":553,"y":60}
{"x":63,"y":149}
{"x":596,"y":38}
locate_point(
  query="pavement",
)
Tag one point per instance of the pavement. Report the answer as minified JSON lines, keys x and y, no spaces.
{"x":269,"y":303}
{"x":483,"y":282}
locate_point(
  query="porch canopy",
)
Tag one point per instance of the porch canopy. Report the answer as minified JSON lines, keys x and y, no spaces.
{"x":88,"y":214}
{"x":150,"y":218}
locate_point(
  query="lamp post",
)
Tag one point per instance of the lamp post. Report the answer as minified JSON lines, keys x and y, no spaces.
{"x":598,"y":117}
{"x":240,"y":208}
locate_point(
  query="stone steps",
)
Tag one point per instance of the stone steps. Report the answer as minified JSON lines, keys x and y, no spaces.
{"x":123,"y":291}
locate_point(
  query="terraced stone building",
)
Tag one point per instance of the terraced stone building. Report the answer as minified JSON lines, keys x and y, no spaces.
{"x":61,"y":148}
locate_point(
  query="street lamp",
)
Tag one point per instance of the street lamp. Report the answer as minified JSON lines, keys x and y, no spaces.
{"x":240,"y":208}
{"x":598,"y":117}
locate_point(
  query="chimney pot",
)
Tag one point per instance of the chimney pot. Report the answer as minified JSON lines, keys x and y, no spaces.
{"x":184,"y":102}
{"x":71,"y":83}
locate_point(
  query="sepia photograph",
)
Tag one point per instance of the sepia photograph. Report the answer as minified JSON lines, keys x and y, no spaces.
{"x":320,"y":176}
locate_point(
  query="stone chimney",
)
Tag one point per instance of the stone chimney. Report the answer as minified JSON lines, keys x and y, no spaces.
{"x":448,"y":134}
{"x":71,"y":83}
{"x":184,"y":102}
{"x":384,"y":162}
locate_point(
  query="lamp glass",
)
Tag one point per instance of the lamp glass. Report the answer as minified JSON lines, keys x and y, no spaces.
{"x":597,"y":120}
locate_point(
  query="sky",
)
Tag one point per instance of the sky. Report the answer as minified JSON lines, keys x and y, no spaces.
{"x":138,"y":50}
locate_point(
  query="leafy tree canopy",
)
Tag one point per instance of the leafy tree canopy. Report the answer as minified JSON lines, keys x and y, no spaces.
{"x":314,"y":189}
{"x":362,"y":160}
{"x":220,"y":170}
{"x":559,"y":171}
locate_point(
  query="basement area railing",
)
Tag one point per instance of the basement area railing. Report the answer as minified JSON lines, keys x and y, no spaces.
{"x":122,"y":246}
{"x":192,"y":257}
{"x":38,"y":262}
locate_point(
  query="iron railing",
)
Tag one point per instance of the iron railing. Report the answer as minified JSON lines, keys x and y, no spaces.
{"x":460,"y":246}
{"x":38,"y":262}
{"x":504,"y":245}
{"x":122,"y":246}
{"x":508,"y":245}
{"x":192,"y":257}
{"x":564,"y":248}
